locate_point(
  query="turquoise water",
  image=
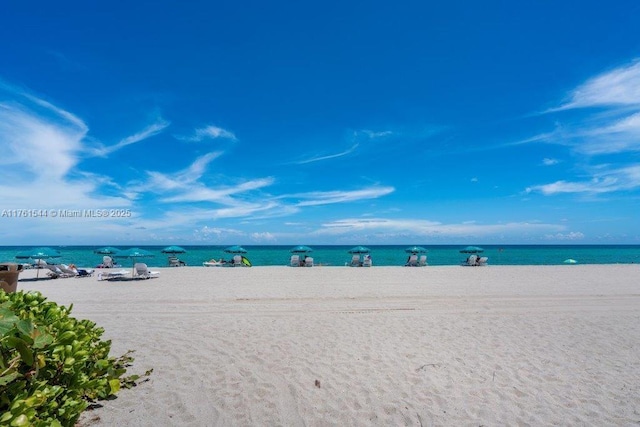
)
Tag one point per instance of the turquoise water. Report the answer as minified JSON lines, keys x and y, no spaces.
{"x":381,"y":255}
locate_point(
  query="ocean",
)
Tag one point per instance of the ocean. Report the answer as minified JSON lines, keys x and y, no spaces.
{"x":387,"y":255}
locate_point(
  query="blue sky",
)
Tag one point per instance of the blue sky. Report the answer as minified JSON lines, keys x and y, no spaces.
{"x":321,"y":123}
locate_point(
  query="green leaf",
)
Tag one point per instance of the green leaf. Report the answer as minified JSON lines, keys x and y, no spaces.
{"x":20,"y":420}
{"x":25,"y":352}
{"x":114,"y":385}
{"x":41,"y":339}
{"x":7,"y":319}
{"x":25,"y":327}
{"x":7,"y":378}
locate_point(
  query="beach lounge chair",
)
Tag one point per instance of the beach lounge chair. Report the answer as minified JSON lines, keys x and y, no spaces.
{"x":355,"y":261}
{"x":482,"y":261}
{"x":295,"y":261}
{"x":107,"y":262}
{"x":367,"y":262}
{"x":237,"y":261}
{"x":214,"y":263}
{"x":308,"y":262}
{"x":422,"y":261}
{"x":471,"y":261}
{"x":143,"y":272}
{"x":412,"y":261}
{"x":113,"y":275}
{"x":175,"y":262}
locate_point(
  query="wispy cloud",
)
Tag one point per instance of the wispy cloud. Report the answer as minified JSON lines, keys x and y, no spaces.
{"x":613,"y":129}
{"x":357,"y":138}
{"x":618,"y":87}
{"x":70,"y":118}
{"x":432,"y":229}
{"x":186,"y":185}
{"x":329,"y":156}
{"x":146,"y":133}
{"x":623,"y":179}
{"x":208,"y":132}
{"x":571,"y":236}
{"x":42,"y":145}
{"x":318,"y":198}
{"x":547,"y":161}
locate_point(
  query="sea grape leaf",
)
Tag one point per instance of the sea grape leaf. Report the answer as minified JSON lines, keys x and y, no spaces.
{"x":25,"y":326}
{"x":7,"y":319}
{"x":25,"y":352}
{"x":7,"y":378}
{"x":41,"y":339}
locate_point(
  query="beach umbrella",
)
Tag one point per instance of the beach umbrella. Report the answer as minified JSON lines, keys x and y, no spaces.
{"x":173,"y":250}
{"x":415,"y":250}
{"x":39,"y":253}
{"x":107,"y":250}
{"x":471,"y":250}
{"x":235,"y":250}
{"x":570,"y":261}
{"x":359,"y":250}
{"x":301,"y":249}
{"x":134,"y":254}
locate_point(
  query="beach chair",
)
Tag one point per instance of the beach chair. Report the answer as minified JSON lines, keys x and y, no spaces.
{"x":412,"y":261}
{"x":295,"y":261}
{"x":471,"y":261}
{"x":84,"y":272}
{"x":422,"y":261}
{"x":355,"y":261}
{"x":175,"y":262}
{"x":107,"y":262}
{"x":60,"y":271}
{"x":308,"y":262}
{"x":113,"y":275}
{"x":237,"y":261}
{"x":483,"y":261}
{"x":367,"y":262}
{"x":143,"y":272}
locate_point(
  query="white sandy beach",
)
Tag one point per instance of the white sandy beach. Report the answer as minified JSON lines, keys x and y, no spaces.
{"x":339,"y":346}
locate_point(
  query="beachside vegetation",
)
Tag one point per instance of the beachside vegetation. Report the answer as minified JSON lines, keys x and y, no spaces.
{"x":53,"y":366}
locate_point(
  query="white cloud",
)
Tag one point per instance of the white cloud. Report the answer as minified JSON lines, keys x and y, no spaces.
{"x":329,"y":156}
{"x":208,"y":132}
{"x":619,"y":87}
{"x":574,"y":235}
{"x":549,"y":161}
{"x":425,"y":228}
{"x":148,"y":132}
{"x":606,"y":181}
{"x":263,"y":237}
{"x":373,"y":134}
{"x":40,"y":161}
{"x":317,"y":198}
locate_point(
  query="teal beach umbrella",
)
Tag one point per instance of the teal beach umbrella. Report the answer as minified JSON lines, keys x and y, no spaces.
{"x":107,"y":250}
{"x":42,"y":253}
{"x":173,"y":250}
{"x":301,"y":249}
{"x":39,"y":253}
{"x":359,"y":250}
{"x":134,"y":254}
{"x":235,"y":250}
{"x":415,"y":250}
{"x":471,"y":250}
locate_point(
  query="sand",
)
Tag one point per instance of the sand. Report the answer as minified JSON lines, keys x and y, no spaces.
{"x":340,"y":346}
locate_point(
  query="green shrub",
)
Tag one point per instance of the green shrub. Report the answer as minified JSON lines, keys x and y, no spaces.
{"x":51,"y":364}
